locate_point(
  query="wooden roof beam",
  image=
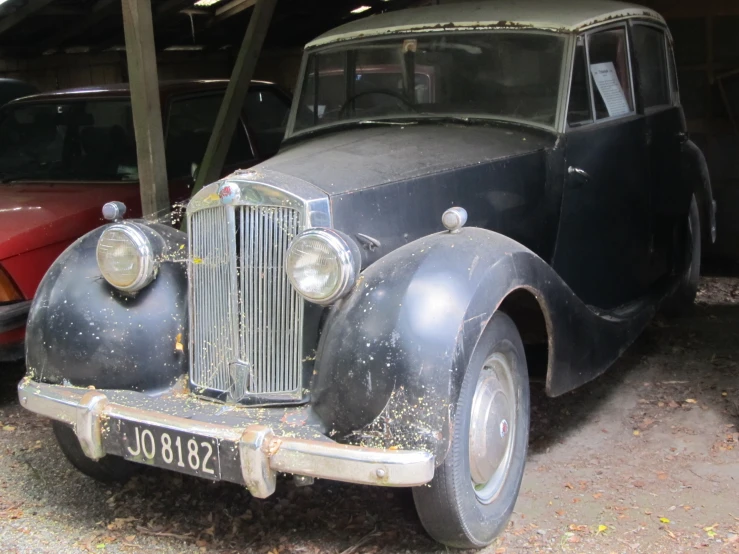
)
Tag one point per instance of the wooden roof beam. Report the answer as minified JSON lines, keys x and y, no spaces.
{"x":10,"y":21}
{"x":230,"y":9}
{"x":166,"y":8}
{"x":99,"y":10}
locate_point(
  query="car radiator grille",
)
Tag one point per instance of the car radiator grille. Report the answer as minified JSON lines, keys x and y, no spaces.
{"x":246,"y":318}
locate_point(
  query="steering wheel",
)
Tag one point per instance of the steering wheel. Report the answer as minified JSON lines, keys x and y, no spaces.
{"x":388,"y":92}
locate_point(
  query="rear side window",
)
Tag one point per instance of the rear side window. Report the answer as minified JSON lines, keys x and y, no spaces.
{"x":610,"y":73}
{"x":266,"y":116}
{"x":190,"y":125}
{"x":651,"y":56}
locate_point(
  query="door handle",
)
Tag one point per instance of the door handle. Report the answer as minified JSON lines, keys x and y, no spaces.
{"x":579,"y":173}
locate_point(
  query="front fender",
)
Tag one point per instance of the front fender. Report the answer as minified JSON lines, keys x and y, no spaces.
{"x":84,"y":332}
{"x":393,"y":354}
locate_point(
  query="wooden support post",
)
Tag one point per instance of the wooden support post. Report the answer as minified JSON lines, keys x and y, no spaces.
{"x":147,"y":113}
{"x":233,"y":101}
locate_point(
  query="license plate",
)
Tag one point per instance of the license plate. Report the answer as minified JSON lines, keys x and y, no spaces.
{"x":183,"y":452}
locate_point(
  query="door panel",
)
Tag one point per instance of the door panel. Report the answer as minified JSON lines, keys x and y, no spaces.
{"x":602,"y":249}
{"x":604,"y":238}
{"x":665,"y":132}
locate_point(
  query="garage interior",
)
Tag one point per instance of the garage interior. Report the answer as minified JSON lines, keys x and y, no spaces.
{"x":669,"y":384}
{"x":77,"y":43}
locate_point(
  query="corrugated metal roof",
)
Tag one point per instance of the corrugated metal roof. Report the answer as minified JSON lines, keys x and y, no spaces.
{"x":565,"y":16}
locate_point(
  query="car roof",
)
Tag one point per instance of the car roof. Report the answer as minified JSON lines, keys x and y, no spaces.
{"x":563,"y":16}
{"x":122,"y":90}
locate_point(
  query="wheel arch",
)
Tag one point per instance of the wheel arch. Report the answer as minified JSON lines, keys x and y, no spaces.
{"x":528,"y":311}
{"x":695,"y":170}
{"x":394,"y":352}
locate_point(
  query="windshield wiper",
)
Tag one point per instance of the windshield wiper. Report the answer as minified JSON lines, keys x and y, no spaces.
{"x":388,"y":122}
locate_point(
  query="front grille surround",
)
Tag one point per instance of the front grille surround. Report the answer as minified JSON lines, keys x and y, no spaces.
{"x":246,"y":320}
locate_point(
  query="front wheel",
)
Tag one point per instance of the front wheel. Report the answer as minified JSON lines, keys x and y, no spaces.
{"x":472,"y":494}
{"x":107,"y":469}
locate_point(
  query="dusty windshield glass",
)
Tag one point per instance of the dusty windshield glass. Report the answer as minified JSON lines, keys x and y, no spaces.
{"x":502,"y":74}
{"x":68,"y":141}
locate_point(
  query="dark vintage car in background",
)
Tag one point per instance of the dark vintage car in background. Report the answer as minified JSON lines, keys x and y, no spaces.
{"x":318,"y":319}
{"x":63,"y":154}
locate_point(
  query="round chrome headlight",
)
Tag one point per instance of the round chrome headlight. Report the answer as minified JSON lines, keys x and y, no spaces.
{"x":125,"y":257}
{"x":323,"y":264}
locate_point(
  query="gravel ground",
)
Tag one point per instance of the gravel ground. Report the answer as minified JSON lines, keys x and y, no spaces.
{"x":644,"y":459}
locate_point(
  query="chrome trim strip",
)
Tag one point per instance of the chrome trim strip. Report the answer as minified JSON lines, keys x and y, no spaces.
{"x":261,"y":453}
{"x":266,"y":187}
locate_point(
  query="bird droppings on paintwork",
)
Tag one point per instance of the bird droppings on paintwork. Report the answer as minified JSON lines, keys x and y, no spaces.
{"x":406,"y":422}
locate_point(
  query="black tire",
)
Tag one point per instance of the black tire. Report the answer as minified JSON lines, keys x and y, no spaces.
{"x":452,"y":509}
{"x":108,"y":469}
{"x":681,"y":301}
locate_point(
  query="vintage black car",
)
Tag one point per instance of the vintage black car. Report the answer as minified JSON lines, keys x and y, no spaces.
{"x":469,"y":196}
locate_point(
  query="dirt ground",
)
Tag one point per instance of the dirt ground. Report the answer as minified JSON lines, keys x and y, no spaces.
{"x":644,"y":459}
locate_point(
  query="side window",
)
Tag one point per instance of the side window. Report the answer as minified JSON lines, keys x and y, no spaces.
{"x":189,"y":127}
{"x":609,"y":71}
{"x":578,"y":112}
{"x":651,"y":56}
{"x":266,"y":116}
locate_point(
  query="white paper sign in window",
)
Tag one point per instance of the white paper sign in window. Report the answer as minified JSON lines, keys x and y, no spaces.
{"x":609,"y":87}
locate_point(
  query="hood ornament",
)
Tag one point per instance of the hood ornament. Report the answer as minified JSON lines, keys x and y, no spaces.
{"x":454,"y":219}
{"x":114,"y":211}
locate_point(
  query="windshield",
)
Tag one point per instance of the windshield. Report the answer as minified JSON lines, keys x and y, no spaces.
{"x":76,"y":140}
{"x":512,"y":75}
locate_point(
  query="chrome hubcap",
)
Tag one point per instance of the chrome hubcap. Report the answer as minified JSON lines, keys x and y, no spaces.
{"x":492,"y":427}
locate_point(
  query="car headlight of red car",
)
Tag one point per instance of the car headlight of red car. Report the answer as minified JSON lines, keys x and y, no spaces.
{"x":8,"y":291}
{"x":125,"y":257}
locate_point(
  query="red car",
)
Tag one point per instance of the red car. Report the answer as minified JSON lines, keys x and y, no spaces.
{"x":66,"y":153}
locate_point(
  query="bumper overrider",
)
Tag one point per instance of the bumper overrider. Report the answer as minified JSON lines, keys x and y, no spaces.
{"x":252,"y":445}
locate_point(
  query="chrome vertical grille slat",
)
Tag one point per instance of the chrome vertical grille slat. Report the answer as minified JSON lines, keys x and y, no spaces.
{"x":247,"y":319}
{"x":212,"y":266}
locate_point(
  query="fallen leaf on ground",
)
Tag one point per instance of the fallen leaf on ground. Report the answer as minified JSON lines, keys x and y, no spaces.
{"x":601,"y":529}
{"x":8,"y":428}
{"x":578,"y":528}
{"x":664,"y":520}
{"x":691,"y":401}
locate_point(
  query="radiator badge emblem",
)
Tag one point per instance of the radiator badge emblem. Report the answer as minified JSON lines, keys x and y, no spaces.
{"x":228,"y":193}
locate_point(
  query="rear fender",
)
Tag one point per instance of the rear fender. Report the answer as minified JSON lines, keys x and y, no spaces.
{"x":394,"y":352}
{"x":695,"y":170}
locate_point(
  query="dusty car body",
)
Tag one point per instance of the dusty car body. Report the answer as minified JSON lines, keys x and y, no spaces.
{"x":64,"y":154}
{"x":370,"y":304}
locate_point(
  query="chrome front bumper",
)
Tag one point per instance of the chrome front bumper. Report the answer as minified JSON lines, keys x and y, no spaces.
{"x":257,"y":443}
